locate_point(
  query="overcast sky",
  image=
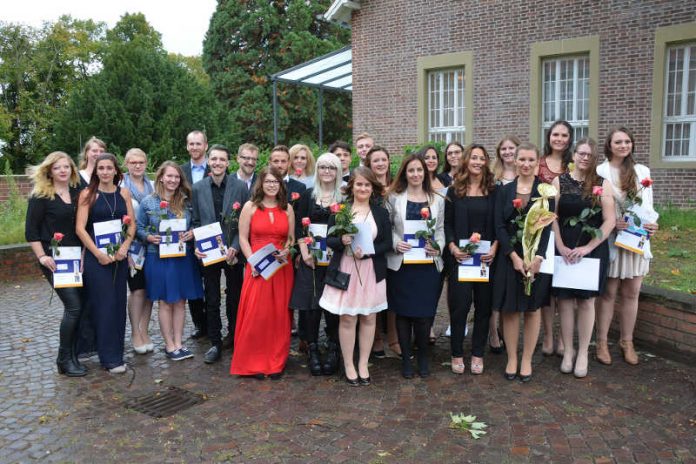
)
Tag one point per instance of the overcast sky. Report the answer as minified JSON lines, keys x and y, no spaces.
{"x":182,"y":23}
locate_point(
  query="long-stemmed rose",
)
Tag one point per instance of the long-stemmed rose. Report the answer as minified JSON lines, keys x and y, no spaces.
{"x":55,"y":243}
{"x":429,"y":233}
{"x":344,"y":216}
{"x":112,"y":248}
{"x":632,"y":200}
{"x":586,"y":214}
{"x":471,"y":247}
{"x":517,"y":221}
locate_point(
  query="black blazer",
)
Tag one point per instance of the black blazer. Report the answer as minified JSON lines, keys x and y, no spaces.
{"x":294,"y":186}
{"x":203,"y":206}
{"x":186,"y":167}
{"x":253,"y":180}
{"x":383,"y":242}
{"x":505,"y":213}
{"x":457,"y":218}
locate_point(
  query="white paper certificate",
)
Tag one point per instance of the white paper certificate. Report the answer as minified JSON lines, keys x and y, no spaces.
{"x":137,"y":254}
{"x":547,"y":265}
{"x":209,"y":241}
{"x":318,"y":231}
{"x":416,"y":255}
{"x":107,"y":232}
{"x":583,"y":275}
{"x":264,"y":262}
{"x":171,"y":245}
{"x":633,"y":238}
{"x":363,"y":239}
{"x":473,"y":269}
{"x":67,"y":273}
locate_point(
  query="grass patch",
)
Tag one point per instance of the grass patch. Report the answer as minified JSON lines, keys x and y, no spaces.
{"x":674,"y":249}
{"x":13,"y":213}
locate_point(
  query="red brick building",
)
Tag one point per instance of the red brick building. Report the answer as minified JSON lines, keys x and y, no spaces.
{"x":474,"y":71}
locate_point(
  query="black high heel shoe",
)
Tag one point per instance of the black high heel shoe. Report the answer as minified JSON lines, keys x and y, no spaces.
{"x":497,"y":349}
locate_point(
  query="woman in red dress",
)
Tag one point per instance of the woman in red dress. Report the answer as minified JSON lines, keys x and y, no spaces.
{"x":262,"y":335}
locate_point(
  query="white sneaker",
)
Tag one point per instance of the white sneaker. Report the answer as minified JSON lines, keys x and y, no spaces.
{"x":118,"y":369}
{"x":448,"y":332}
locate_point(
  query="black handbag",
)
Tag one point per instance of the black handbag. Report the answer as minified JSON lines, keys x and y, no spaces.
{"x":337,"y":279}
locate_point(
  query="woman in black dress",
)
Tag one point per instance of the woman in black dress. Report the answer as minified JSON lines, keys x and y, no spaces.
{"x":513,"y":199}
{"x":578,"y":190}
{"x":469,"y":210}
{"x":314,"y":205}
{"x":105,"y":274}
{"x":51,"y":210}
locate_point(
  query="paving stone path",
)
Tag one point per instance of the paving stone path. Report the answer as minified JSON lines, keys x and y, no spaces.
{"x":617,"y":414}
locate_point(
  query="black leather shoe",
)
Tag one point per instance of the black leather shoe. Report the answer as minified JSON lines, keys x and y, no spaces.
{"x":276,"y":376}
{"x":509,"y":376}
{"x":353,"y":382}
{"x":213,"y":355}
{"x":525,"y":378}
{"x":198,"y":333}
{"x":364,"y":382}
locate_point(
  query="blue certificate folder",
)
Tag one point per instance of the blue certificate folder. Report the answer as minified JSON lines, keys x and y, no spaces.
{"x":174,"y":237}
{"x":473,"y":269}
{"x":67,"y":273}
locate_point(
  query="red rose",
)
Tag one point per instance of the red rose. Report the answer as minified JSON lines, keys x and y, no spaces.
{"x":334,"y":208}
{"x":475,"y":238}
{"x":126,"y":219}
{"x":294,"y":196}
{"x":305,"y":222}
{"x":597,"y":191}
{"x":298,"y":172}
{"x":308,"y":241}
{"x":236,"y":205}
{"x":647,"y":182}
{"x":425,"y":213}
{"x":517,"y":203}
{"x":164,"y":204}
{"x":58,"y":236}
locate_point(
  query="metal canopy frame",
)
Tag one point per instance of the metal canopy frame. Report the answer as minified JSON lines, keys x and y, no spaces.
{"x":333,"y":71}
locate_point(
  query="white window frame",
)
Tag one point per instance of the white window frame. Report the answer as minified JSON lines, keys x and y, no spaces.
{"x":685,"y":114}
{"x":581,"y":127}
{"x":456,"y":131}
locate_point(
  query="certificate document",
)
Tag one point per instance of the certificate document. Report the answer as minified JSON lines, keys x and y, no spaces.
{"x":67,"y":273}
{"x":106,"y":233}
{"x":416,"y":255}
{"x":264,"y":262}
{"x":318,"y":231}
{"x":209,"y":241}
{"x":137,"y":254}
{"x":473,"y":269}
{"x":583,"y":275}
{"x":633,"y":238}
{"x":547,"y":265}
{"x":363,"y":239}
{"x":170,"y":231}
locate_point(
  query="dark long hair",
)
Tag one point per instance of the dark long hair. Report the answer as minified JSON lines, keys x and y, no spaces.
{"x":447,"y":168}
{"x":364,"y":171}
{"x":461,"y":180}
{"x":400,"y":182}
{"x":568,"y":153}
{"x":591,"y":176}
{"x":628,"y":178}
{"x":368,"y":160}
{"x":94,"y":180}
{"x":257,"y":191}
{"x":424,"y":151}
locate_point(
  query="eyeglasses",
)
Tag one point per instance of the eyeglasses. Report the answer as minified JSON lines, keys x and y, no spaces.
{"x":326,"y":168}
{"x":248,"y":158}
{"x":454,"y":152}
{"x":583,"y":154}
{"x":271,"y":182}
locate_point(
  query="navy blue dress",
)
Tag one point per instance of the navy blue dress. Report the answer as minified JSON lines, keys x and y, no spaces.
{"x":106,"y":285}
{"x":413,"y":290}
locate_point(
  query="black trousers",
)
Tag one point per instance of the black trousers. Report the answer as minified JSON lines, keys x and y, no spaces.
{"x":420,"y":327}
{"x":72,"y":310}
{"x":310,"y":320}
{"x":459,"y":298}
{"x":211,"y":277}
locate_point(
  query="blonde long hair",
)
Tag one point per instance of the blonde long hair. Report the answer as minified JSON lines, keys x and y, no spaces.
{"x":498,"y":164}
{"x":41,"y":175}
{"x":88,"y":144}
{"x":177,"y":203}
{"x":294,"y":151}
{"x":331,"y":160}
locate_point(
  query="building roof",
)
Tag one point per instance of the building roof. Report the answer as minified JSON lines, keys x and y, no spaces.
{"x":341,"y":11}
{"x":333,"y":71}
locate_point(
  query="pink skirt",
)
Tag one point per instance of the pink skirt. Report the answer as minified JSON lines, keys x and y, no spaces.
{"x":363,"y":298}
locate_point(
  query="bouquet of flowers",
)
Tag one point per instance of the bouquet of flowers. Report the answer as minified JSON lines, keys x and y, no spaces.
{"x":538,"y":217}
{"x":429,"y":233}
{"x":344,"y":226}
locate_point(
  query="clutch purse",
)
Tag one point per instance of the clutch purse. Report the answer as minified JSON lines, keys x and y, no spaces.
{"x":337,"y":279}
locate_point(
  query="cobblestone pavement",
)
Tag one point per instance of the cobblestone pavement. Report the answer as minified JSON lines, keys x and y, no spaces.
{"x":617,"y":414}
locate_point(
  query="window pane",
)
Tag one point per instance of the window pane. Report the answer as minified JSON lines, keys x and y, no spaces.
{"x":445,"y":104}
{"x":566,"y":93}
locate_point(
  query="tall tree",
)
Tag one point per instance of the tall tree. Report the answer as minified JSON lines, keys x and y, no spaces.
{"x":140,"y":98}
{"x":247,"y":42}
{"x":38,"y":67}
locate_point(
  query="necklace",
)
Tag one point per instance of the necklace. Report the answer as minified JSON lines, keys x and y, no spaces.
{"x":113,"y":210}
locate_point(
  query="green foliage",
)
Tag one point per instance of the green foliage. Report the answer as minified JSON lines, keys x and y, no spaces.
{"x":38,"y":69}
{"x":468,"y":424}
{"x":249,"y":41}
{"x":13,"y":212}
{"x":140,"y":98}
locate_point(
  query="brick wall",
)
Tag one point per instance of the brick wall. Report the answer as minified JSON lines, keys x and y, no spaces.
{"x":18,"y":262}
{"x":389,"y":35}
{"x":23,"y":184}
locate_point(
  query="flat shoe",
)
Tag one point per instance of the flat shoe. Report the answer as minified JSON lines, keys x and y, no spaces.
{"x":150,"y":347}
{"x":476,"y":366}
{"x":118,"y":369}
{"x":458,"y":367}
{"x":140,"y":349}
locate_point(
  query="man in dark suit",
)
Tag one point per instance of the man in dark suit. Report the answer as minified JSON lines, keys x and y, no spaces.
{"x":247,"y":158}
{"x":219,"y":198}
{"x":194,"y":170}
{"x":280,"y":161}
{"x":342,"y":150}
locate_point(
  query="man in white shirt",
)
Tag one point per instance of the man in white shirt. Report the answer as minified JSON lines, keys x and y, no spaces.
{"x":197,"y":167}
{"x":247,"y":158}
{"x":363,"y":144}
